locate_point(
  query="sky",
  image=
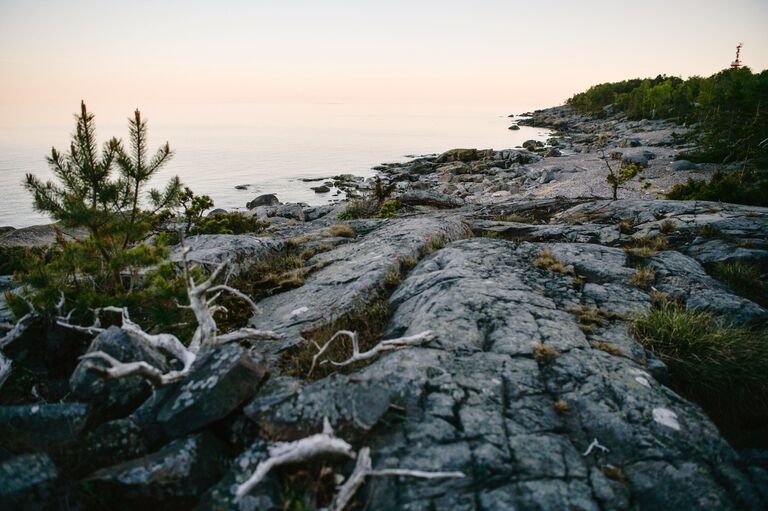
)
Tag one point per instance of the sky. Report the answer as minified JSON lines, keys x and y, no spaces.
{"x":395,"y":51}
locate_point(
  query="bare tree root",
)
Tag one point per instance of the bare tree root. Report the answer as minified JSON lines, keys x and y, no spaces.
{"x":5,"y":368}
{"x":21,"y":326}
{"x":321,"y":444}
{"x":15,"y":331}
{"x":363,"y":469}
{"x":387,"y":345}
{"x":326,"y":444}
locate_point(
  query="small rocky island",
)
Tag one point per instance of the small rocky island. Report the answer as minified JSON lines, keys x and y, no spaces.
{"x":496,"y":361}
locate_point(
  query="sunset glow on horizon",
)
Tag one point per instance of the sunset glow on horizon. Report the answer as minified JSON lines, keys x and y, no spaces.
{"x":447,"y":52}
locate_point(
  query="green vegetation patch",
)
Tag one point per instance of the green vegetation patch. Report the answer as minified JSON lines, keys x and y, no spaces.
{"x":722,"y":367}
{"x":748,"y":187}
{"x":744,"y":278}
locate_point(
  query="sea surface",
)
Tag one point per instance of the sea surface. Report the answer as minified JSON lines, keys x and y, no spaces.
{"x":269,"y":147}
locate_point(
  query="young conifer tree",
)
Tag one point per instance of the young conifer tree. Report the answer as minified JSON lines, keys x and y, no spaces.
{"x":87,"y":194}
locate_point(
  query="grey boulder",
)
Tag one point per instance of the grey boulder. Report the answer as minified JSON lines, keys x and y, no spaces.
{"x":263,"y":200}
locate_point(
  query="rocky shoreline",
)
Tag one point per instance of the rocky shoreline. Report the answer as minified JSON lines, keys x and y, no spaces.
{"x":534,"y":388}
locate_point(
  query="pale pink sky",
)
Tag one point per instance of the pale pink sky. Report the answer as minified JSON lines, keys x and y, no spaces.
{"x":440,"y":52}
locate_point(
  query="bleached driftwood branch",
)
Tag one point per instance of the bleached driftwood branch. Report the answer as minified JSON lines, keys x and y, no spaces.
{"x":326,"y":444}
{"x":321,"y":444}
{"x":386,"y":345}
{"x":18,"y":329}
{"x":15,"y":331}
{"x":363,"y":469}
{"x":595,"y":445}
{"x":5,"y":368}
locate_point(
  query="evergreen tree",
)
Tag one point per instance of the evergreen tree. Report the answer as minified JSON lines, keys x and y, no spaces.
{"x":87,"y":195}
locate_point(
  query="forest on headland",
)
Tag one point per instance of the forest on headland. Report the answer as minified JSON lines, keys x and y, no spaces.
{"x":729,"y":110}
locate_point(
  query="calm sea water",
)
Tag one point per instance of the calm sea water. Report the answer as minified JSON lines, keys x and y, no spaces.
{"x":268,"y":147}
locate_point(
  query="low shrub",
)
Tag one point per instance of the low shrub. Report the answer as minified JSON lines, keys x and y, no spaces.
{"x":749,"y":187}
{"x":388,"y":209}
{"x":228,"y":223}
{"x":358,"y":208}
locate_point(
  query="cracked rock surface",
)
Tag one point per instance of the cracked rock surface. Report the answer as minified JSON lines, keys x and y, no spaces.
{"x":534,"y":386}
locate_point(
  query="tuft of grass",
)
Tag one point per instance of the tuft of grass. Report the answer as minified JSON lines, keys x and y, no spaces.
{"x":433,"y":245}
{"x":544,"y":353}
{"x":744,"y":278}
{"x":720,"y":366}
{"x":561,"y":407}
{"x":626,"y":225}
{"x":589,"y":319}
{"x":644,"y":277}
{"x":709,"y":231}
{"x":609,"y":348}
{"x":667,"y":227}
{"x":358,"y":208}
{"x":547,"y":261}
{"x":647,"y":246}
{"x":520,"y":219}
{"x":613,"y":472}
{"x":340,"y":231}
{"x":658,"y":297}
{"x":369,"y":320}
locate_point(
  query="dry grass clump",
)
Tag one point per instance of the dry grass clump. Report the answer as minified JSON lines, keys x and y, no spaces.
{"x":547,"y":261}
{"x":647,"y":246}
{"x":658,"y":297}
{"x":667,"y":226}
{"x":626,"y":225}
{"x":298,"y":241}
{"x":609,"y":348}
{"x":644,"y":277}
{"x":544,"y":354}
{"x":561,"y":407}
{"x":340,"y":231}
{"x":368,"y":320}
{"x":433,"y":245}
{"x":614,"y":473}
{"x":589,"y":319}
{"x":515,"y":218}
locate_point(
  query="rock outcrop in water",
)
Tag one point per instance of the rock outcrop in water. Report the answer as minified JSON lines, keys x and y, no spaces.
{"x":534,"y":388}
